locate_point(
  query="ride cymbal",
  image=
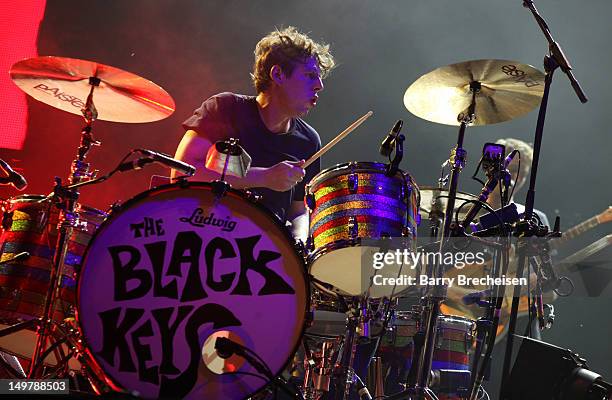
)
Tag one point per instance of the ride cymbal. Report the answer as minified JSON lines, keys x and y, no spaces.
{"x":508,"y":89}
{"x":429,"y":194}
{"x":64,"y":83}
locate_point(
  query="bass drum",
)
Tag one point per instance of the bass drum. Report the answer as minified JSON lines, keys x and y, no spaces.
{"x":175,"y":269}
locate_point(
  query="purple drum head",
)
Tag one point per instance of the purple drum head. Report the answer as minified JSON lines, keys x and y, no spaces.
{"x":171,"y":272}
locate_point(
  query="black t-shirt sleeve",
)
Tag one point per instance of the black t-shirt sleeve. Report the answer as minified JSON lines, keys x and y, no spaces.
{"x":213,"y":119}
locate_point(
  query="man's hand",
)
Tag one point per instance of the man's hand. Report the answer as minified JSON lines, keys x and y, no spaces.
{"x":283,"y":176}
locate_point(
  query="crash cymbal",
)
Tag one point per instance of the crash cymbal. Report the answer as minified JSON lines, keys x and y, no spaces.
{"x":429,"y":193}
{"x":508,"y":90}
{"x":64,"y":83}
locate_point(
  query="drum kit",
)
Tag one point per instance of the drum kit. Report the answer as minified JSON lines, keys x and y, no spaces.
{"x":194,"y":290}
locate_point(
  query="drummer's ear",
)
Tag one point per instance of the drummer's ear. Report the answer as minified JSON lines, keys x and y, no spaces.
{"x":276,"y":74}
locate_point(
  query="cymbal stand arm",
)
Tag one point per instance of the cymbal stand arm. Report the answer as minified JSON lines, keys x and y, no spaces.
{"x":555,"y":51}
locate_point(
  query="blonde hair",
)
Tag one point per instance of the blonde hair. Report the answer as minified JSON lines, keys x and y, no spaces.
{"x":286,"y":48}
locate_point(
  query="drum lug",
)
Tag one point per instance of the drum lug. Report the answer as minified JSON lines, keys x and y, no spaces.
{"x":353,"y":182}
{"x":310,"y":202}
{"x":251,"y":195}
{"x":7,"y":220}
{"x":309,"y":243}
{"x":353,"y":227}
{"x":300,"y":248}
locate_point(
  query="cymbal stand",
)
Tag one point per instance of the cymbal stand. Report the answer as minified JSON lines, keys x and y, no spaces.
{"x":435,"y":214}
{"x":68,"y":220}
{"x":553,"y":60}
{"x":357,"y":327}
{"x":349,"y":349}
{"x":489,"y":324}
{"x":437,"y":294}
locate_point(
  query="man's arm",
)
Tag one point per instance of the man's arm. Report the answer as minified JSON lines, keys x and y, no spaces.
{"x":280,"y":177}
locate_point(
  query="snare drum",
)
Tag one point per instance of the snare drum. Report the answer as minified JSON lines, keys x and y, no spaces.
{"x":30,"y":225}
{"x":350,"y":206}
{"x":173,"y":270}
{"x":453,"y":347}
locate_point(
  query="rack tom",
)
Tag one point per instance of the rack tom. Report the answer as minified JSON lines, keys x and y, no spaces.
{"x":352,"y":207}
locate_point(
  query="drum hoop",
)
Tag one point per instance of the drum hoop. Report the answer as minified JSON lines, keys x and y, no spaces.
{"x":27,"y":197}
{"x":457,"y":319}
{"x":178,"y":186}
{"x":412,"y":189}
{"x":80,"y":208}
{"x":351,"y":167}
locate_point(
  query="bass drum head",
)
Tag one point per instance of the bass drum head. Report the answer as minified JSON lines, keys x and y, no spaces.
{"x":170,"y":272}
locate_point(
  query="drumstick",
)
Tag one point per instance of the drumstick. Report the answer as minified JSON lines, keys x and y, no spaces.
{"x":338,"y":138}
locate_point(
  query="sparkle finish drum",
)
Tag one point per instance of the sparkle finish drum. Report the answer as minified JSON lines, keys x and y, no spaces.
{"x":30,"y":225}
{"x":350,"y":204}
{"x":453,"y":347}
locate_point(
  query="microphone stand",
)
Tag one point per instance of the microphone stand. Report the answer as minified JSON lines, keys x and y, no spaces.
{"x":552,"y":61}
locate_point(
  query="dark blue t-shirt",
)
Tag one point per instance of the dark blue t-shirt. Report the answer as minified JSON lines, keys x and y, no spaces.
{"x":227,"y":115}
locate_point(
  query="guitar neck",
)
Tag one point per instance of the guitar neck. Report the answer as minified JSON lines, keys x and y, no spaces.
{"x":574,"y":231}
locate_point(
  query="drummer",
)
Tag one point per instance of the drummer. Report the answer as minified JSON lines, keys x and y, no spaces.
{"x":287,"y":74}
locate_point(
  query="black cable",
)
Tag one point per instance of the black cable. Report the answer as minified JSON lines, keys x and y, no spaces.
{"x":258,"y":358}
{"x":483,"y":204}
{"x":250,"y":356}
{"x":262,"y":377}
{"x":518,"y":175}
{"x":476,"y":172}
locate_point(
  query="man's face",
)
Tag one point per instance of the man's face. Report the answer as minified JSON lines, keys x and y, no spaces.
{"x":300,"y":89}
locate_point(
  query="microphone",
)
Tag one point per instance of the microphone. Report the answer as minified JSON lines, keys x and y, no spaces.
{"x":135,"y":164}
{"x":184,"y":168}
{"x":509,"y":158}
{"x":507,"y":214}
{"x":489,"y":186}
{"x":226,"y":347}
{"x":386,"y":147}
{"x":14,"y":178}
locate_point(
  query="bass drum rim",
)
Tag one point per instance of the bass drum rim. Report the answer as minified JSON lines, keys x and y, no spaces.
{"x":182,"y":185}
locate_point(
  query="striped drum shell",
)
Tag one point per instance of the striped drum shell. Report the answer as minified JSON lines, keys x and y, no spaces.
{"x":352,"y":202}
